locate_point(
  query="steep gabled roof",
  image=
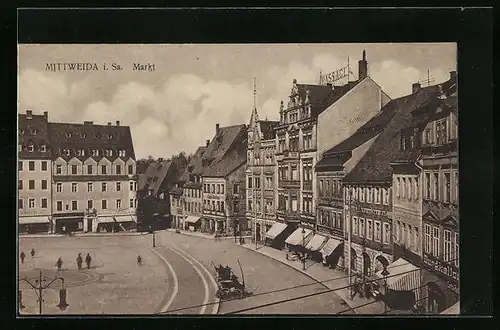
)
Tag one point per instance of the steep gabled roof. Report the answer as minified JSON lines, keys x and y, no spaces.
{"x":90,"y":136}
{"x":195,"y":164}
{"x":267,"y":128}
{"x":153,"y":178}
{"x":226,"y":151}
{"x":34,"y":130}
{"x":375,"y":166}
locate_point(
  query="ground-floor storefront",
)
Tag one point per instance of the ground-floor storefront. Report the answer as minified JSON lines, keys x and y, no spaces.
{"x":35,"y":224}
{"x":438,"y":292}
{"x":259,"y":228}
{"x":214,"y":224}
{"x":192,"y":223}
{"x":366,"y":261}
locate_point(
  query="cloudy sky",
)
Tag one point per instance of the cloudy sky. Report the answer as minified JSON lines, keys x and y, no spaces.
{"x":193,"y":87}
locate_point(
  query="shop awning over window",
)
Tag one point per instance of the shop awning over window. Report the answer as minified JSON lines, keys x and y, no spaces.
{"x":330,"y":246}
{"x":297,"y":238}
{"x":275,"y":230}
{"x":123,"y":218}
{"x":105,"y":219}
{"x":453,"y":310}
{"x":403,"y":276}
{"x":192,"y":219}
{"x":316,"y":242}
{"x":134,"y":218}
{"x":33,"y":220}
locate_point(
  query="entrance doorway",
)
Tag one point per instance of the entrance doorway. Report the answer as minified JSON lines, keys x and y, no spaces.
{"x":366,"y":264}
{"x":257,"y":232}
{"x":353,"y":259}
{"x":435,"y":299}
{"x":89,"y":225}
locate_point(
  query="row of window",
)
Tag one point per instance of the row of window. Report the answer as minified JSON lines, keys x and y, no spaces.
{"x":293,"y":142}
{"x":213,"y":188}
{"x":268,"y":206}
{"x":330,"y":188}
{"x":255,"y":183}
{"x":31,"y":147}
{"x":93,"y":152}
{"x":213,"y":205}
{"x":194,"y":193}
{"x":372,"y":230}
{"x":291,"y":172}
{"x":32,"y":165}
{"x":292,"y":116}
{"x":438,"y":186}
{"x":287,"y":203}
{"x":407,"y":235}
{"x":441,"y":131}
{"x":369,"y":195}
{"x":450,"y":244}
{"x":407,"y":188}
{"x":31,"y":185}
{"x":330,"y":218}
{"x":266,"y":153}
{"x":91,"y":169}
{"x":90,"y":186}
{"x":74,"y":206}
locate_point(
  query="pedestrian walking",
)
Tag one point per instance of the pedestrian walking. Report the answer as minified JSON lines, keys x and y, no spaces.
{"x":32,"y":253}
{"x":139,"y":260}
{"x":59,"y":264}
{"x":88,"y":259}
{"x":22,"y":257}
{"x":79,"y":261}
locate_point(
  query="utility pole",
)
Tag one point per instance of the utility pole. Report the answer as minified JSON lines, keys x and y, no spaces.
{"x":349,"y":240}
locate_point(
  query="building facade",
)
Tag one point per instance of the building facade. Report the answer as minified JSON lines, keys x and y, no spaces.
{"x":318,"y":117}
{"x":34,"y":174}
{"x":94,"y":181}
{"x":261,"y":176}
{"x":223,"y":177}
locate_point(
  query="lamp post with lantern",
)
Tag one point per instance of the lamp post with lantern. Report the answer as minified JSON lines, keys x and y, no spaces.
{"x":41,"y":283}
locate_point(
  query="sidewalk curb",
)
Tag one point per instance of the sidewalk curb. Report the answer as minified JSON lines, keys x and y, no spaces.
{"x":299,"y":270}
{"x":79,"y":235}
{"x":203,"y":236}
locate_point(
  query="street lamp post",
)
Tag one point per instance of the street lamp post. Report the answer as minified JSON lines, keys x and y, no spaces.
{"x":385,"y":273}
{"x":154,"y":235}
{"x":39,"y":286}
{"x":304,"y":246}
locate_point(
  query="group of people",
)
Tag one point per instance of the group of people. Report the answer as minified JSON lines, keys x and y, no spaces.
{"x":79,"y":261}
{"x":23,"y":256}
{"x":59,"y":262}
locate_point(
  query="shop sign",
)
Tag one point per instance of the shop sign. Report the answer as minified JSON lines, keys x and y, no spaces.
{"x":211,"y":196}
{"x":442,"y":267}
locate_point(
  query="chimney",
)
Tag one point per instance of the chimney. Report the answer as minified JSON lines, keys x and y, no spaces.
{"x":46,"y":115}
{"x":208,"y":142}
{"x":216,"y":129}
{"x":86,"y":122}
{"x":453,"y":75}
{"x":117,"y":123}
{"x":415,"y":88}
{"x":362,"y":67}
{"x":109,"y":123}
{"x":29,"y":114}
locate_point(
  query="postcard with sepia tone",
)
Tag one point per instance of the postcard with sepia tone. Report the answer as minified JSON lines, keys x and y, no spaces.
{"x":238,"y":179}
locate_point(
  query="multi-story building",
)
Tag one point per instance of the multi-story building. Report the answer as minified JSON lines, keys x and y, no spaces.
{"x":369,"y":197}
{"x":318,"y":117}
{"x":223,"y":180}
{"x":35,"y":173}
{"x":94,"y":182}
{"x":336,"y":163}
{"x":426,"y":215}
{"x":187,"y":197}
{"x":155,"y":186}
{"x":261,"y":176}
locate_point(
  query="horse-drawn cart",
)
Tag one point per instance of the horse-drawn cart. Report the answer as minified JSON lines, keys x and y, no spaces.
{"x":229,"y":287}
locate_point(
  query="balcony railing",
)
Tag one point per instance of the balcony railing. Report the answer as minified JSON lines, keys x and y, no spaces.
{"x":289,"y":184}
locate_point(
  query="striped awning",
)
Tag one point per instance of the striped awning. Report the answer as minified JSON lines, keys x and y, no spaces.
{"x":316,"y":242}
{"x":105,"y":219}
{"x":275,"y":230}
{"x":297,"y":238}
{"x":33,"y":220}
{"x":330,"y":246}
{"x":403,"y":276}
{"x":192,"y":219}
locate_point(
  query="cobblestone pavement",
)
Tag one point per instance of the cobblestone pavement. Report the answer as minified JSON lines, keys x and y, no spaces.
{"x":272,"y":282}
{"x":114,"y":284}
